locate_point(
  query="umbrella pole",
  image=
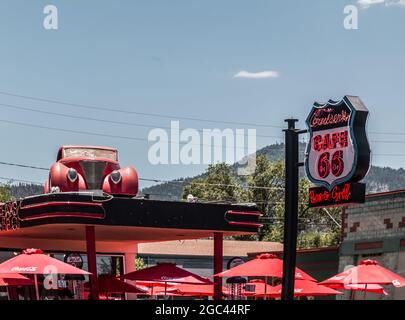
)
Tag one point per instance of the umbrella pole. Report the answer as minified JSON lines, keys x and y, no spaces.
{"x":265,"y":288}
{"x":165,"y":288}
{"x":365,"y":292}
{"x":36,"y":286}
{"x":8,"y":294}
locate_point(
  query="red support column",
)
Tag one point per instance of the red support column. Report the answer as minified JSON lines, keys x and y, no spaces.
{"x":91,"y":261}
{"x":218,"y":262}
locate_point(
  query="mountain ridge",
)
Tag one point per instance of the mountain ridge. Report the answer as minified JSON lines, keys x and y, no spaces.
{"x":378,"y":179}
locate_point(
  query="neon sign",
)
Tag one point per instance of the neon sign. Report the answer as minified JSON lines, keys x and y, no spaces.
{"x":349,"y":192}
{"x":338,"y":152}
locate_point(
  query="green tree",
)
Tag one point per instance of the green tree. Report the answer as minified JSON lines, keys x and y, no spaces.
{"x":265,"y":187}
{"x":5,"y":194}
{"x":140,"y":263}
{"x":218,"y":184}
{"x":316,"y":228}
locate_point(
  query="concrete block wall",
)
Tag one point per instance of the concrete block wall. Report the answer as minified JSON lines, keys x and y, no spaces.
{"x":375,"y":219}
{"x":376,"y":230}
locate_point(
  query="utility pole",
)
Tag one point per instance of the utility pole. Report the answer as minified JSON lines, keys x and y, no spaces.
{"x":291,"y":208}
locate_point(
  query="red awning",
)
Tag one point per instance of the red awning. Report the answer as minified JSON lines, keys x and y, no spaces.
{"x":265,"y":265}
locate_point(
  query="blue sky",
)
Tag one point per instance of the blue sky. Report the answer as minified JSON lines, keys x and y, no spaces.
{"x":180,"y":57}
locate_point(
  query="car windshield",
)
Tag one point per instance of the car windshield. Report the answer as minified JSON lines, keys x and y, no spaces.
{"x":90,"y":153}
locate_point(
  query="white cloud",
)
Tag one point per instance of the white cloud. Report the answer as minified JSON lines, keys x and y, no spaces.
{"x":399,"y":3}
{"x":257,"y":75}
{"x":365,"y":4}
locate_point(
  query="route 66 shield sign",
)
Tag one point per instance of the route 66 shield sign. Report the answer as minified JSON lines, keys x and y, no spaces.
{"x":338,"y":150}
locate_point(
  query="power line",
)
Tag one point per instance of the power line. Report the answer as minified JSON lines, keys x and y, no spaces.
{"x":23,"y":166}
{"x":166,"y":116}
{"x":146,"y":140}
{"x":126,"y":123}
{"x":388,"y":133}
{"x":120,"y":110}
{"x":19,"y":180}
{"x":24,"y":124}
{"x":215,"y":184}
{"x":11,"y":106}
{"x":154,"y":180}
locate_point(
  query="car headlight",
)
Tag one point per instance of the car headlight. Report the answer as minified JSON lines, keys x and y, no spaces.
{"x":115,"y":176}
{"x":72,"y":175}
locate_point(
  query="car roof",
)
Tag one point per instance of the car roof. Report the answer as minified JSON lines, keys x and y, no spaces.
{"x":82,"y":147}
{"x":87,"y":147}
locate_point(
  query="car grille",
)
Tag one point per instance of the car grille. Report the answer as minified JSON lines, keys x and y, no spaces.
{"x":93,"y":171}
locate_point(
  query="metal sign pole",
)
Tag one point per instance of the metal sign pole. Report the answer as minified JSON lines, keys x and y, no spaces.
{"x":291,"y":209}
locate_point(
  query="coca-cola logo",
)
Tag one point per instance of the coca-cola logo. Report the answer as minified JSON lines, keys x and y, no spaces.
{"x":24,"y":269}
{"x":166,"y":278}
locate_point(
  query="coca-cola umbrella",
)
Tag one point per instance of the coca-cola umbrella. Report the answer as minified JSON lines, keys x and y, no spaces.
{"x":156,"y":288}
{"x":167,"y":273}
{"x":265,"y":265}
{"x":192,"y":290}
{"x":366,"y":272}
{"x":14,"y":279}
{"x":258,"y":287}
{"x":153,"y":287}
{"x":111,"y":284}
{"x":306,"y":288}
{"x":34,"y":261}
{"x":371,"y":287}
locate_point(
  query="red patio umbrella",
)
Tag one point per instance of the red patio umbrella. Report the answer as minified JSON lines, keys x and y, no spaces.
{"x":154,"y":290}
{"x":150,"y":284}
{"x":257,"y":287}
{"x":111,"y":284}
{"x":367,"y":272}
{"x":152,"y":287}
{"x":371,"y":287}
{"x":14,"y":279}
{"x":265,"y":265}
{"x":7,"y":280}
{"x":306,"y":288}
{"x":167,"y":273}
{"x":34,"y":261}
{"x":185,"y":289}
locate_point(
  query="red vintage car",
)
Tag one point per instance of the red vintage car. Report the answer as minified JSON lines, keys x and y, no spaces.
{"x":87,"y":168}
